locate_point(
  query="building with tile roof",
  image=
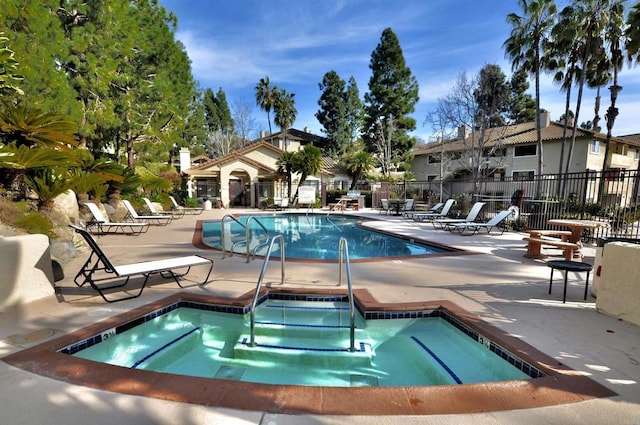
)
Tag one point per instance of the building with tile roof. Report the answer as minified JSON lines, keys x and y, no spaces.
{"x":248,"y":176}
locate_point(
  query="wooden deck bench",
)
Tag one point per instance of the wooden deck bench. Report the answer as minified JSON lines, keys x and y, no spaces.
{"x":534,"y":246}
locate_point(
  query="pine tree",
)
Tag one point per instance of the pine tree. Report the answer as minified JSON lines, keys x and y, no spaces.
{"x":333,"y":114}
{"x":392,"y":96}
{"x":522,"y":106}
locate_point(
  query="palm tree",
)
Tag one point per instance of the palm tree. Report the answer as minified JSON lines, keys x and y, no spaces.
{"x":285,"y":112}
{"x":265,"y":97}
{"x":613,"y":36}
{"x":525,"y":46}
{"x":286,"y":163}
{"x":590,"y":16}
{"x":307,"y":162}
{"x":358,"y":163}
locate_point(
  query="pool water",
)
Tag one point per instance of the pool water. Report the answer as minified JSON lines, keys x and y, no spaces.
{"x":303,"y":342}
{"x":312,"y":236}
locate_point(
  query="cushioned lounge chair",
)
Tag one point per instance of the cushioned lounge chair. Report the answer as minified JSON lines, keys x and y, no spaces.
{"x":444,"y":223}
{"x":152,"y":210}
{"x":489,"y":226}
{"x":187,"y":210}
{"x":434,"y":216}
{"x":101,"y":224}
{"x":161,"y":220}
{"x":98,"y":271}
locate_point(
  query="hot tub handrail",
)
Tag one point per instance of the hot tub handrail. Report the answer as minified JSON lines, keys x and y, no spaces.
{"x":343,"y":256}
{"x":230,"y":216}
{"x":256,"y":295}
{"x":254,"y":218}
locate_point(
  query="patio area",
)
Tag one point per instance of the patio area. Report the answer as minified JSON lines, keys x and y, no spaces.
{"x":497,"y":283}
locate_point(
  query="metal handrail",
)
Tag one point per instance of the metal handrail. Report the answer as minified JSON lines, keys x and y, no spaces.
{"x":252,"y":341}
{"x":251,"y":217}
{"x":222,"y":231}
{"x":343,"y":247}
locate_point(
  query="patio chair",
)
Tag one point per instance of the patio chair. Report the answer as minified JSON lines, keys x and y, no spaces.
{"x":283,"y":205}
{"x":444,"y":223}
{"x":187,"y":210}
{"x":433,"y":216}
{"x":494,"y":223}
{"x":434,"y":209}
{"x":101,"y":224}
{"x":161,"y":220}
{"x":152,"y":210}
{"x":384,"y":206}
{"x":98,"y":270}
{"x":407,"y":207}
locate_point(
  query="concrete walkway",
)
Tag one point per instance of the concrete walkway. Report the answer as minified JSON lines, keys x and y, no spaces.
{"x":497,"y":284}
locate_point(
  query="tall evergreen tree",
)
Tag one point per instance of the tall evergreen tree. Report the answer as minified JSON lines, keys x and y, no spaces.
{"x":332,"y":114}
{"x":354,"y":109}
{"x":38,"y":42}
{"x":492,"y":95}
{"x":392,"y":96}
{"x":522,"y":107}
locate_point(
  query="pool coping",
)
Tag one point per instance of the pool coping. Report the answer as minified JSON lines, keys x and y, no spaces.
{"x":197,"y":241}
{"x":562,"y":385}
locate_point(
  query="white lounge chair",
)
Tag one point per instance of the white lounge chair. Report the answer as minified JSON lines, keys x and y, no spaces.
{"x":494,"y":223}
{"x":152,"y":210}
{"x":444,"y":223}
{"x":101,"y":224}
{"x":433,"y":216}
{"x":407,"y":207}
{"x":187,"y":210}
{"x":161,"y":220}
{"x":434,"y":209}
{"x":98,"y":270}
{"x":384,"y":206}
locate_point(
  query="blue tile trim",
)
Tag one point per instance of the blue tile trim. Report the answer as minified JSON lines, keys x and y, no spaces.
{"x":438,"y":359}
{"x":164,"y":347}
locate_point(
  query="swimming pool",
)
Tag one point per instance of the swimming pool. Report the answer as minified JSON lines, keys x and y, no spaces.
{"x":308,"y":337}
{"x":313,"y":237}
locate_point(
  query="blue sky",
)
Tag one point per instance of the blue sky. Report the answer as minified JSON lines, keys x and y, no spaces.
{"x":295,"y":42}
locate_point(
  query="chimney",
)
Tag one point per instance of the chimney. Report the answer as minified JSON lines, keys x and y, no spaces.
{"x":545,"y":119}
{"x":263,"y":134}
{"x":185,"y":159}
{"x":306,"y":129}
{"x":463,"y":132}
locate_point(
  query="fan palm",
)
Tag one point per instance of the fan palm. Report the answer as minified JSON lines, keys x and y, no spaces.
{"x":526,"y":47}
{"x":285,"y":112}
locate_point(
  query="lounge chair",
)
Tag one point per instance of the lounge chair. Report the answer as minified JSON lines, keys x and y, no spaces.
{"x":283,"y":204}
{"x":101,"y":224}
{"x":495,"y":222}
{"x":161,"y":220}
{"x":152,"y":210}
{"x":98,"y":269}
{"x":434,"y":216}
{"x":445,"y":223}
{"x":187,"y":210}
{"x":384,"y":206}
{"x":407,"y":208}
{"x":434,"y":209}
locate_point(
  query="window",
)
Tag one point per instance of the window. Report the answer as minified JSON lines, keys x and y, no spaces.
{"x":523,"y":175}
{"x":636,"y":156}
{"x":525,"y":150}
{"x":595,"y":146}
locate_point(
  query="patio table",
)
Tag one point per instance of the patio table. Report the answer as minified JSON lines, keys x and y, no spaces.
{"x":577,"y":227}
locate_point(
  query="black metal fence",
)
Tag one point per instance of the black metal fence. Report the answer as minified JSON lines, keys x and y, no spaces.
{"x":612,"y":197}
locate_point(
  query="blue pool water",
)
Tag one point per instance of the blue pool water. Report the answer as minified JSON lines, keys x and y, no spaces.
{"x":301,"y":342}
{"x":313,"y":236}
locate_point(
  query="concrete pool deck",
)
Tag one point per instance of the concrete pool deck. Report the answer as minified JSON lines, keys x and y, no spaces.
{"x":499,"y":285}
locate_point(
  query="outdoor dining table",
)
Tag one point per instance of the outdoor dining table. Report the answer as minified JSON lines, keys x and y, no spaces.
{"x":396,"y":205}
{"x":577,"y":227}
